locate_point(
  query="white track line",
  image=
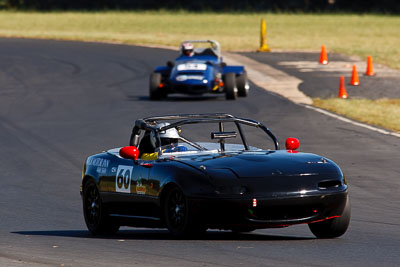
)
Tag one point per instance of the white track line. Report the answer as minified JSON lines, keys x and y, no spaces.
{"x":369,"y":127}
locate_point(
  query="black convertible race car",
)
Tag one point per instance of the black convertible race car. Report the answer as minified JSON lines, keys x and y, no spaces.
{"x":221,"y":180}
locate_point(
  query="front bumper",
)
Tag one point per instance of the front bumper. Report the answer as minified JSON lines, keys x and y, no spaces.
{"x":269,"y":212}
{"x":191,"y":89}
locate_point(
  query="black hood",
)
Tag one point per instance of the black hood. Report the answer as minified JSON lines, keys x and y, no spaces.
{"x":262,"y":164}
{"x":268,"y":173}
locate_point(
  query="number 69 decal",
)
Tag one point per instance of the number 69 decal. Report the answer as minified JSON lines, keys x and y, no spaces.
{"x":123,"y":179}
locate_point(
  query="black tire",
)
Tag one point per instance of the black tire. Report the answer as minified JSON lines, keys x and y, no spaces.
{"x":334,"y":227}
{"x":156,"y":93}
{"x":230,"y":86}
{"x":242,"y":84}
{"x":96,"y":218}
{"x":178,"y":216}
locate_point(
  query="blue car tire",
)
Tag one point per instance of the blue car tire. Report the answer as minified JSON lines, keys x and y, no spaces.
{"x":156,"y":92}
{"x":242,"y":84}
{"x":230,"y":86}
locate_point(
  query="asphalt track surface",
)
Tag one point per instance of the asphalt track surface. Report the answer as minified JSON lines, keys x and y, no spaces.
{"x":62,"y":101}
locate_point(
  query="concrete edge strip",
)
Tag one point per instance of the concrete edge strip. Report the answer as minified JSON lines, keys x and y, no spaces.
{"x":270,"y":79}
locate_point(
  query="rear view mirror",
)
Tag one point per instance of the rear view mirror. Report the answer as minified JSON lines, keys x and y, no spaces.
{"x":129,"y":152}
{"x":223,"y":135}
{"x":292,"y":143}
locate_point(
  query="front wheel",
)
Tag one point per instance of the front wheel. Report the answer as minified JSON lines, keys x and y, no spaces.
{"x":231,"y":90}
{"x":156,"y":91}
{"x":334,"y":227}
{"x":178,"y":216}
{"x":97,"y":220}
{"x":242,"y":84}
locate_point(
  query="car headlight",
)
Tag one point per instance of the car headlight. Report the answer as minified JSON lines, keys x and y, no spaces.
{"x":226,"y":182}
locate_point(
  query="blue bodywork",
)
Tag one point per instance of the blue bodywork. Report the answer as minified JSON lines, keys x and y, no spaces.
{"x":198,"y":74}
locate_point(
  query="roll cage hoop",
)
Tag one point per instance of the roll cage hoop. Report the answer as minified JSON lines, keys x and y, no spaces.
{"x":215,"y":46}
{"x":148,"y":124}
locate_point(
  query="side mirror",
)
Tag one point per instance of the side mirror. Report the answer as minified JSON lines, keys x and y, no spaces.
{"x":129,"y":152}
{"x":292,"y":143}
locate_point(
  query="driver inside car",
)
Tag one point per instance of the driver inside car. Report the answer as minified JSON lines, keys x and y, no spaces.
{"x":169,"y":143}
{"x":187,"y":49}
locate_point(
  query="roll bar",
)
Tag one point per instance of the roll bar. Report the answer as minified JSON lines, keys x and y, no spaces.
{"x":214,"y":45}
{"x":148,"y":124}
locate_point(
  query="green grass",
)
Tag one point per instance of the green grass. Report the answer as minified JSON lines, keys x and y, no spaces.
{"x":361,"y":35}
{"x":382,"y":112}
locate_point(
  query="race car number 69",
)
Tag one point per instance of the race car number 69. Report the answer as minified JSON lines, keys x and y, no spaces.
{"x":123,"y":179}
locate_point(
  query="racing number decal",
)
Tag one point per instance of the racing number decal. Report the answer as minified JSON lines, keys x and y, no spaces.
{"x":123,"y":179}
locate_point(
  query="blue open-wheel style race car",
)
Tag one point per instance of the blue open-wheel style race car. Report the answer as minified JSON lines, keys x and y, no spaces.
{"x":229,"y":178}
{"x":198,"y":70}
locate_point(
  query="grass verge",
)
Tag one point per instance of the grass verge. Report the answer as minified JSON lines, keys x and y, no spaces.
{"x":361,"y":35}
{"x":382,"y":112}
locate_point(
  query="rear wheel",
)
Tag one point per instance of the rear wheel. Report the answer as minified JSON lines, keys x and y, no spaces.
{"x":178,"y":216}
{"x":156,"y":92}
{"x":334,"y":227}
{"x":231,"y":90}
{"x":97,"y":220}
{"x":242,"y":84}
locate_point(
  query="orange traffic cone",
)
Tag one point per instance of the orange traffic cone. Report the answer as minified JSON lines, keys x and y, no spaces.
{"x":370,"y":68}
{"x":354,"y":76}
{"x":342,"y":89}
{"x":323,"y":58}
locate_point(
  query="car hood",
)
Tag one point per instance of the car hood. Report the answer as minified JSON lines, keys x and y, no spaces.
{"x":264,"y":163}
{"x":269,"y":173}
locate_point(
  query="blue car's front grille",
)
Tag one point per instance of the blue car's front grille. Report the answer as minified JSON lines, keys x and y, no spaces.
{"x":194,"y":89}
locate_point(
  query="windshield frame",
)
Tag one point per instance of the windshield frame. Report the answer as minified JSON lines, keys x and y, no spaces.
{"x":176,"y":121}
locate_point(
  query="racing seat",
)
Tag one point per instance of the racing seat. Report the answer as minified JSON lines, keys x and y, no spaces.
{"x":208,"y":52}
{"x":145,"y":145}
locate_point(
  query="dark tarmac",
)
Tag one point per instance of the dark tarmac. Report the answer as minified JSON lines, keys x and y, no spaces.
{"x":62,"y":101}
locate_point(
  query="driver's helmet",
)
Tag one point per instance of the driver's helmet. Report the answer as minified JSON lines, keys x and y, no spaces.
{"x":168,"y":137}
{"x":187,"y":49}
